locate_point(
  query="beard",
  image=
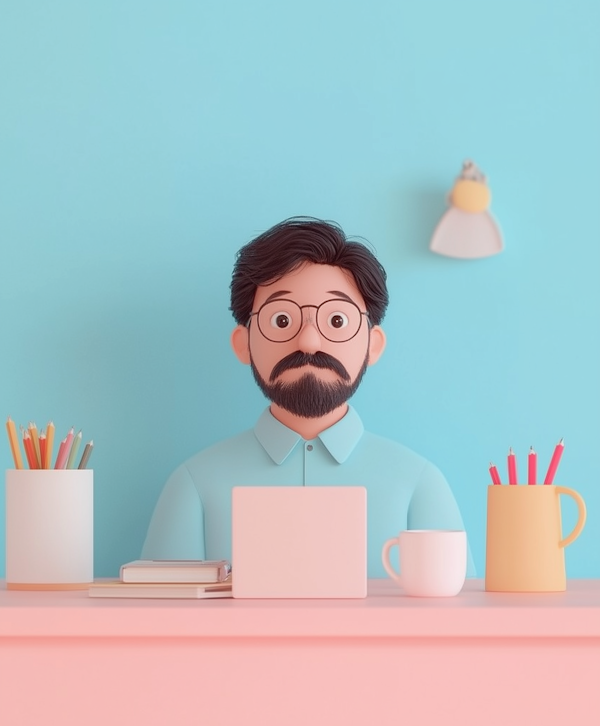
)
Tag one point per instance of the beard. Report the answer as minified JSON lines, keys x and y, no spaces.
{"x":309,"y":397}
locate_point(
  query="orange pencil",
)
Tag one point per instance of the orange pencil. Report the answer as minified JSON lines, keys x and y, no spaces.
{"x":49,"y":444}
{"x":14,"y":443}
{"x":33,"y":432}
{"x":42,"y":443}
{"x":29,"y":450}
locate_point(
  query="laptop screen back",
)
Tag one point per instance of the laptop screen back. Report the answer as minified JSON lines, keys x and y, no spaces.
{"x":299,"y":542}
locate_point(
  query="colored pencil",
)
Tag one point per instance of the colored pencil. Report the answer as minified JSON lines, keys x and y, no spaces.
{"x":73,"y":452}
{"x":558,"y":452}
{"x":86,"y":455}
{"x":532,"y":467}
{"x":49,"y":444}
{"x":14,"y":443}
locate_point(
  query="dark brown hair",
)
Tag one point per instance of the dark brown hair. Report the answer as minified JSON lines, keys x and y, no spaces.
{"x":289,"y":244}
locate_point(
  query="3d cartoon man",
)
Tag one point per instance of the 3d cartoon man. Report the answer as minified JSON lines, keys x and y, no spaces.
{"x":308,"y":304}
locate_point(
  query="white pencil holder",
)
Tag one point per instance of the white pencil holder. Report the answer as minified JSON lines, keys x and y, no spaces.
{"x":49,"y":529}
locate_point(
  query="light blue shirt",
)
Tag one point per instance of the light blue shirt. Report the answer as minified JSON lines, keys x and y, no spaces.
{"x":192,"y":519}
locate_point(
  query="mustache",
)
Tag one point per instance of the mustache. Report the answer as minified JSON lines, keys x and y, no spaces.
{"x":298,"y":359}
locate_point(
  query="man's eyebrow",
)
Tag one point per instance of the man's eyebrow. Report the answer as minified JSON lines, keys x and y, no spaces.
{"x":335,"y":293}
{"x":277,"y":294}
{"x":339,"y":293}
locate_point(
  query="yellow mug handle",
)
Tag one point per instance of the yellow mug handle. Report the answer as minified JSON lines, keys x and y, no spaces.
{"x":582,"y":515}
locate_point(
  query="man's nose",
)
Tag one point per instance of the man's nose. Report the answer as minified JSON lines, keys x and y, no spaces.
{"x":309,"y":338}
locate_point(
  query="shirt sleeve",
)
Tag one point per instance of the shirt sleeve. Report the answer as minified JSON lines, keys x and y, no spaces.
{"x":176,"y":530}
{"x":433,"y":506}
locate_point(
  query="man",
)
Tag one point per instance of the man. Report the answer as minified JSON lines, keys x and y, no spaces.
{"x":308,"y":305}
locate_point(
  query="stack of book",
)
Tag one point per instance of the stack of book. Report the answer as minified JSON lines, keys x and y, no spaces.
{"x":197,"y":579}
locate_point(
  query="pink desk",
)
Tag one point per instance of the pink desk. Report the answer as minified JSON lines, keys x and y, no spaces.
{"x":479,"y":658}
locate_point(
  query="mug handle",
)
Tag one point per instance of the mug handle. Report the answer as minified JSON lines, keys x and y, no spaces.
{"x":385,"y":558}
{"x":582,"y":515}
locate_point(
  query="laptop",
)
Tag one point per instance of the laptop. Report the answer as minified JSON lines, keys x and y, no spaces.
{"x":299,"y":542}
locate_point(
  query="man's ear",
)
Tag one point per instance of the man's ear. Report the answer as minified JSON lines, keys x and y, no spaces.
{"x":376,"y":344}
{"x":240,"y":344}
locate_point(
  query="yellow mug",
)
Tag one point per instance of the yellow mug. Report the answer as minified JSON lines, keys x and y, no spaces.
{"x":525,"y":549}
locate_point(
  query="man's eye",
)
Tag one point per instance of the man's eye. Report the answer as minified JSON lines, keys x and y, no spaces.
{"x":281,"y":321}
{"x":337,"y":320}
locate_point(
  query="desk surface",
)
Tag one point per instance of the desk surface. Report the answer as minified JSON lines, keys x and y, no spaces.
{"x":496,"y":658}
{"x":386,"y":612}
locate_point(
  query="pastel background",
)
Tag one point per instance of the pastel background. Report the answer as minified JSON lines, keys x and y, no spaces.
{"x":142,"y":143}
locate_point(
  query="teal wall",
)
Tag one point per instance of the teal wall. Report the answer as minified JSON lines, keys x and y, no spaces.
{"x":142,"y":143}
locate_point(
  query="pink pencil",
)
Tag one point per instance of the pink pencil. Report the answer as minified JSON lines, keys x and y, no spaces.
{"x":512,"y":467}
{"x":558,"y":452}
{"x":494,"y":474}
{"x":64,"y":449}
{"x":60,"y":456}
{"x":532,"y":467}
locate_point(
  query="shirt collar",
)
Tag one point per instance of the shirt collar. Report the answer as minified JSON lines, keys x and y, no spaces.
{"x":279,"y":441}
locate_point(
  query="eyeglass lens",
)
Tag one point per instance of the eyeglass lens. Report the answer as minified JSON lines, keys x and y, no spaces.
{"x":337,"y":320}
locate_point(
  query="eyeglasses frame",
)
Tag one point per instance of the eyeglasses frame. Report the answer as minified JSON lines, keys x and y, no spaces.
{"x":301,"y":308}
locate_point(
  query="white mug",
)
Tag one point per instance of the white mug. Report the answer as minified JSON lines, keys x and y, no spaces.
{"x":433,"y":562}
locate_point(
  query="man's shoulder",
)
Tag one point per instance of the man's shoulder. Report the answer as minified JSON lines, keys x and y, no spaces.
{"x":392,"y":453}
{"x":224,"y":450}
{"x":383,"y":443}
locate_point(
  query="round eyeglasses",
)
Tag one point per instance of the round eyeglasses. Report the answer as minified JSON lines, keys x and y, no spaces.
{"x":337,"y":320}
